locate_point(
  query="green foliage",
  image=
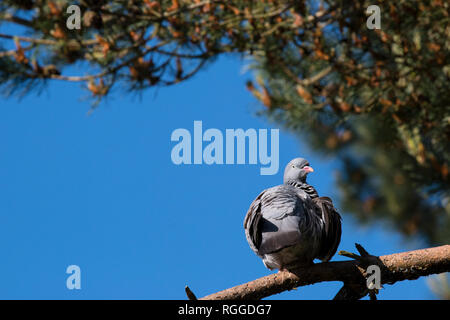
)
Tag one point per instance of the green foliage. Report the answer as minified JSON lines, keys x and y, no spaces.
{"x":376,"y":99}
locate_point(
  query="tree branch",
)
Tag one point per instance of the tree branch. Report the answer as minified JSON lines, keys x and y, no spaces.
{"x":394,"y":267}
{"x":10,"y":18}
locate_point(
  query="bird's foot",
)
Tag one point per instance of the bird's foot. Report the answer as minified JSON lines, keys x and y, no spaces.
{"x":364,"y":261}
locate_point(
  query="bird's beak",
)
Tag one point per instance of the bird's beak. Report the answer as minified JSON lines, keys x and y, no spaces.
{"x":308,"y":169}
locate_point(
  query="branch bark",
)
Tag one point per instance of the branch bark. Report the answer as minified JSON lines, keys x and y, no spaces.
{"x":394,"y":267}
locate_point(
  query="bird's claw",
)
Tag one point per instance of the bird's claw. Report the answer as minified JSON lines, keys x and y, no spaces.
{"x":362,"y":258}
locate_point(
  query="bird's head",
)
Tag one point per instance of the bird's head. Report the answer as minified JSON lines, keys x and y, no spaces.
{"x":296,"y":170}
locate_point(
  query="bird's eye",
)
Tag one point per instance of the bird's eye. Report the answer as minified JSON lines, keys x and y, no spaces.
{"x":293,"y":166}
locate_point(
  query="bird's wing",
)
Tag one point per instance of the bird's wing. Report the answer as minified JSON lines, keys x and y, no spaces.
{"x":332,"y":228}
{"x":274,"y":220}
{"x":252,"y":223}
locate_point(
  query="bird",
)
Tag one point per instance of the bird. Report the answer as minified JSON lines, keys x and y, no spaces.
{"x":290,"y":225}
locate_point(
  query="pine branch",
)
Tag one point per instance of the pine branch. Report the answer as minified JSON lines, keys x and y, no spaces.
{"x":11,"y":18}
{"x":394,"y":267}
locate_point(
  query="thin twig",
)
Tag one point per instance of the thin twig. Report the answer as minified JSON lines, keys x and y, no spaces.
{"x":190,"y":294}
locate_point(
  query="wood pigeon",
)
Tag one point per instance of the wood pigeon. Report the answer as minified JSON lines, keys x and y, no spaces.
{"x":290,"y":225}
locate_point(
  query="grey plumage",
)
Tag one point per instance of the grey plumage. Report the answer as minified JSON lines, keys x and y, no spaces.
{"x":290,"y":225}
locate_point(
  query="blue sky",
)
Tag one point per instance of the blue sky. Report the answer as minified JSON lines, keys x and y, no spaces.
{"x":100,"y":191}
